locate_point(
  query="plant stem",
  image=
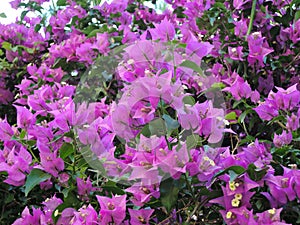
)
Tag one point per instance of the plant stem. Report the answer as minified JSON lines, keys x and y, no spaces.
{"x":281,"y":124}
{"x":30,"y":150}
{"x":193,"y":212}
{"x":53,"y":5}
{"x":189,"y":186}
{"x":251,"y":17}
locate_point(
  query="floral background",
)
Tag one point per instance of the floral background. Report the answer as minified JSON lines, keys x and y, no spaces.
{"x":150,"y":112}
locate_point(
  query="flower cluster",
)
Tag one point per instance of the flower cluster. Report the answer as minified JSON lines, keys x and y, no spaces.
{"x":150,"y":112}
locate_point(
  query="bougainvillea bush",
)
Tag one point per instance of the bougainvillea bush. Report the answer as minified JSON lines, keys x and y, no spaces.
{"x":150,"y":112}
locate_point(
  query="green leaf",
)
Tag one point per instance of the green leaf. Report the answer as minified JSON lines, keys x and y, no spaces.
{"x":9,"y":198}
{"x":145,"y":131}
{"x":92,"y":160}
{"x":243,"y":115}
{"x":192,"y":141}
{"x":113,"y":188}
{"x":247,"y":139}
{"x":218,"y":85}
{"x":66,"y":150}
{"x":30,"y":50}
{"x":231,"y":116}
{"x":236,"y":103}
{"x":297,"y":15}
{"x":233,"y":175}
{"x":277,"y":118}
{"x":6,"y":45}
{"x":23,"y":134}
{"x":37,"y":27}
{"x":158,"y":127}
{"x":19,"y":49}
{"x":35,"y":177}
{"x":69,"y":134}
{"x":92,"y":29}
{"x":296,"y":139}
{"x":255,"y":173}
{"x":23,"y":14}
{"x":56,"y":138}
{"x":66,"y":192}
{"x":3,"y":15}
{"x":94,"y":32}
{"x":171,"y":124}
{"x":211,"y":194}
{"x":189,"y":100}
{"x":192,"y":65}
{"x":219,"y":5}
{"x":169,"y":190}
{"x":61,"y":2}
{"x":235,"y":171}
{"x":71,"y":201}
{"x":295,"y":2}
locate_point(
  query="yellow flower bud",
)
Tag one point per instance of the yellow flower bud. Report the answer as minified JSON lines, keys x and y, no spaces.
{"x":228,"y":215}
{"x":232,"y":186}
{"x":206,"y":158}
{"x":212,"y":163}
{"x":235,"y":202}
{"x":272,"y":211}
{"x":238,"y":196}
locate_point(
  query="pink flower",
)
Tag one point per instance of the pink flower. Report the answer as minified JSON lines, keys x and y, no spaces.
{"x":101,"y":43}
{"x":6,"y":132}
{"x":189,"y":118}
{"x":112,"y":209}
{"x":5,"y":96}
{"x":266,"y":111}
{"x":293,"y":121}
{"x":85,"y":215}
{"x":281,"y":188}
{"x":265,"y":85}
{"x":143,"y":193}
{"x":199,"y":49}
{"x":50,"y":163}
{"x":15,"y":3}
{"x":212,"y":119}
{"x":85,"y":53}
{"x":46,"y":185}
{"x":285,"y":99}
{"x":239,"y":88}
{"x":256,"y":153}
{"x":204,"y":164}
{"x":16,"y":164}
{"x":241,"y":216}
{"x":258,"y":50}
{"x":28,"y":218}
{"x":64,"y":115}
{"x":271,"y":216}
{"x":84,"y":187}
{"x":45,"y":73}
{"x":255,"y":96}
{"x":48,"y":208}
{"x":25,"y":119}
{"x":144,"y":113}
{"x":236,"y":53}
{"x":140,"y":216}
{"x":284,"y":138}
{"x":67,"y":216}
{"x":164,"y":31}
{"x":295,"y":32}
{"x":175,"y":162}
{"x":238,"y":4}
{"x":241,"y":27}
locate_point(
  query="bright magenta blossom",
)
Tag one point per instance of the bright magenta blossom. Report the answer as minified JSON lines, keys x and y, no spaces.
{"x":112,"y":210}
